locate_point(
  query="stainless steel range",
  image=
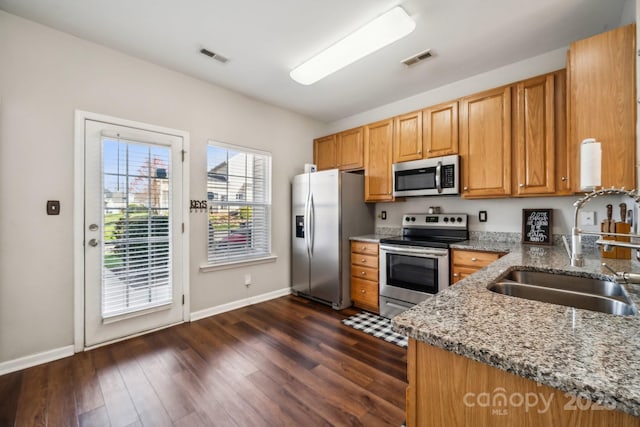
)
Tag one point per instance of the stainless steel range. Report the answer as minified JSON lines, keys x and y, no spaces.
{"x":416,"y":264}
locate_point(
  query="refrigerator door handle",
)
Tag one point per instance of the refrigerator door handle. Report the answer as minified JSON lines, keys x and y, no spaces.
{"x":307,"y":204}
{"x":312,"y":225}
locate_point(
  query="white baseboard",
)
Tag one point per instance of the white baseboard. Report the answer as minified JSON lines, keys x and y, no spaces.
{"x":201,"y":314}
{"x":35,"y":359}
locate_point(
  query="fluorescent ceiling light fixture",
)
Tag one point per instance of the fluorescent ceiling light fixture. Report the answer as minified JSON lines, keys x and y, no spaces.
{"x":382,"y":31}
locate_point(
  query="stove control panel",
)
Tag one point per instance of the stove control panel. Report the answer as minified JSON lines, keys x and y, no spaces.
{"x":434,"y":220}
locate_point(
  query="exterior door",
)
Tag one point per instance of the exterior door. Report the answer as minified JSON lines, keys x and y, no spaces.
{"x":132,"y":231}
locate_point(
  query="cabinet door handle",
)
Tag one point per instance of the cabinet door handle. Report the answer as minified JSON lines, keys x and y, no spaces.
{"x":474,"y":259}
{"x":363,"y":273}
{"x":363,"y":248}
{"x":521,"y":185}
{"x":466,"y":188}
{"x":362,"y":291}
{"x":363,"y":260}
{"x":564,"y":178}
{"x":455,"y":274}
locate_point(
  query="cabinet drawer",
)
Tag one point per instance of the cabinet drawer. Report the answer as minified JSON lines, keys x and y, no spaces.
{"x":474,"y":258}
{"x":458,"y":273}
{"x":365,"y":260}
{"x":364,"y":293}
{"x":366,"y":248}
{"x":368,"y":273}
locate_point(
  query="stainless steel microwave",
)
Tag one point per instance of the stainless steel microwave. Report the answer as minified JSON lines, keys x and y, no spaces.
{"x":427,"y":177}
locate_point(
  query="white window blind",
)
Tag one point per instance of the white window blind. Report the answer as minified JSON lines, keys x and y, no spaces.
{"x":136,"y":244}
{"x":239,"y":202}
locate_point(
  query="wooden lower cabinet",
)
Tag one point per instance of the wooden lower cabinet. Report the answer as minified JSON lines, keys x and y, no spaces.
{"x":364,"y":275}
{"x":465,"y":263}
{"x":446,"y":389}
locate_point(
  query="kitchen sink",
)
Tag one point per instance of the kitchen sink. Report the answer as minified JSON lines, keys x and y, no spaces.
{"x":573,"y":291}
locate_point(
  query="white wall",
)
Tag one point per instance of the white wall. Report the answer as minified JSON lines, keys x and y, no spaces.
{"x":44,"y":76}
{"x":502,"y":214}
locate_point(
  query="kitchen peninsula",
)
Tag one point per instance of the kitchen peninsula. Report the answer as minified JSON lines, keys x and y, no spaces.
{"x":481,"y":358}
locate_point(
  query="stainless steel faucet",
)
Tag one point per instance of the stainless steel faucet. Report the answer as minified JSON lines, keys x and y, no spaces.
{"x":575,"y":253}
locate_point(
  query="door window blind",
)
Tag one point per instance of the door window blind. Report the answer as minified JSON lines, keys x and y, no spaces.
{"x":136,"y":244}
{"x":239,"y":202}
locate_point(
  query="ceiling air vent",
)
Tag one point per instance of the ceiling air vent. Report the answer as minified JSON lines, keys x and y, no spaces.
{"x":417,"y":58}
{"x":213,"y":55}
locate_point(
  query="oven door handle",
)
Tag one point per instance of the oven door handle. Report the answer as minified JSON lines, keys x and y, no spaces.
{"x":393,"y":304}
{"x":438,"y":177}
{"x":406,"y":251}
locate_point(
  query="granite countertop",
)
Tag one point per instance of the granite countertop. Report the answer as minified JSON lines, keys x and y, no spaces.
{"x":591,"y":354}
{"x":372,"y":238}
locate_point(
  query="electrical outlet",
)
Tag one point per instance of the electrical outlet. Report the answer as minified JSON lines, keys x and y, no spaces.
{"x":587,"y":218}
{"x":247,"y":280}
{"x":383,"y":215}
{"x":482,"y":216}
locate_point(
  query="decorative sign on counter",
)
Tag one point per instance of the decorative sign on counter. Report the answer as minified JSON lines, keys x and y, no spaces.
{"x":537,"y":226}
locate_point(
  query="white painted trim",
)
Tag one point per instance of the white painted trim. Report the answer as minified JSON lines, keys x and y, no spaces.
{"x":35,"y":359}
{"x":205,"y":268}
{"x":201,"y":314}
{"x":78,"y":215}
{"x":78,"y":232}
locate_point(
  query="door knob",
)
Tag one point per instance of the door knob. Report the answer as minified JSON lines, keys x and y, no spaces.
{"x":93,"y":227}
{"x":93,"y":242}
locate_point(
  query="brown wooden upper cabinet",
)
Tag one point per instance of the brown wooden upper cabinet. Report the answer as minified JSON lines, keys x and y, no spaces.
{"x":378,"y":155}
{"x":343,"y":150}
{"x":325,"y":152}
{"x":564,"y":179}
{"x":407,"y":143}
{"x":440,"y":129}
{"x":534,"y":136}
{"x":602,"y":103}
{"x":485,"y":143}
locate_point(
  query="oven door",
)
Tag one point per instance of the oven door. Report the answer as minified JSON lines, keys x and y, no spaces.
{"x":410,"y":273}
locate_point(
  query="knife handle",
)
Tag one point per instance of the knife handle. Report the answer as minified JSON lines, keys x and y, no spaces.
{"x":623,"y":212}
{"x":609,"y":212}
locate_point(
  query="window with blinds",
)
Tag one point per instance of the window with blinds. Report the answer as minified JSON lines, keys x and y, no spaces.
{"x":239,"y":202}
{"x":136,"y":244}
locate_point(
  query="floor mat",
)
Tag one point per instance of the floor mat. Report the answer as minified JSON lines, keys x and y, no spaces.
{"x":377,"y":326}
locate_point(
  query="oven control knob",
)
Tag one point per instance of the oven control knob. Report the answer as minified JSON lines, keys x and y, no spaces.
{"x":452,"y":219}
{"x":459,"y":219}
{"x":413,"y":219}
{"x":446,"y":219}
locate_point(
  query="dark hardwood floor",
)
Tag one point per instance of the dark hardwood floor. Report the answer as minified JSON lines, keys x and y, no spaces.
{"x":285,"y":362}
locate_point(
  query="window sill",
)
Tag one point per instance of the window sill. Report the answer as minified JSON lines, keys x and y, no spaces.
{"x":233,"y":264}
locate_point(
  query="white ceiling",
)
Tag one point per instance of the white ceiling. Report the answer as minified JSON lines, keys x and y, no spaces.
{"x":265,"y":39}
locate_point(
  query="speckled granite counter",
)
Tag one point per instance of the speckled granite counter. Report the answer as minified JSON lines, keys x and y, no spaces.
{"x":487,"y":246}
{"x":583,"y":352}
{"x":372,"y":238}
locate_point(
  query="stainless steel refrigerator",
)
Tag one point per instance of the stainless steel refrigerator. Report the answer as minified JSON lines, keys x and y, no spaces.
{"x":327,"y":208}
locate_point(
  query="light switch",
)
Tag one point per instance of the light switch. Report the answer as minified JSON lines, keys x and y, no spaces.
{"x":587,"y":218}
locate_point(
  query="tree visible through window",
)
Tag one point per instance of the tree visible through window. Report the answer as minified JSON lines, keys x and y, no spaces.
{"x":239,"y":198}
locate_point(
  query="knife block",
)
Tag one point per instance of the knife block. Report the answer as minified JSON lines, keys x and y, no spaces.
{"x":624,"y":228}
{"x":613,"y":253}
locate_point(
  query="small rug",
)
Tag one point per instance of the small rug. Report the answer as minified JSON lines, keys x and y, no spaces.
{"x":377,"y":326}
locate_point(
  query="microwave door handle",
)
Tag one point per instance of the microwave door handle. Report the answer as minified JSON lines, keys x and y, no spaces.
{"x":438,"y":178}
